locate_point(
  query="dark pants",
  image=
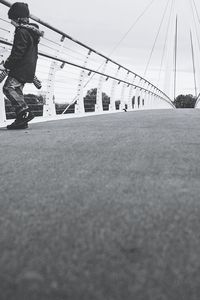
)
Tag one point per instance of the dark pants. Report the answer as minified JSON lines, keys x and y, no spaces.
{"x":13,"y":90}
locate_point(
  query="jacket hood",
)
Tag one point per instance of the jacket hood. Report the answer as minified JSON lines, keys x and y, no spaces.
{"x":18,"y":10}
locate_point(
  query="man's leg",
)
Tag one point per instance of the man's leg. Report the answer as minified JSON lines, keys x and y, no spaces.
{"x":13,"y":90}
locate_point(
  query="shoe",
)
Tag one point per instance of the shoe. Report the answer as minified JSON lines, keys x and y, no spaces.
{"x":25,"y":116}
{"x":17,"y":125}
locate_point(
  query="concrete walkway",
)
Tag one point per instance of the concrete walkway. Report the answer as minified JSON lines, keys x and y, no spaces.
{"x":102,"y":208}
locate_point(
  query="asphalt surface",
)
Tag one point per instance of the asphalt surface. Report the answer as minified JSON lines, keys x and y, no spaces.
{"x":102,"y":208}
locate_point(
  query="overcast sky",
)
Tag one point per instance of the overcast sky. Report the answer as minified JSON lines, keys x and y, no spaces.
{"x":102,"y":23}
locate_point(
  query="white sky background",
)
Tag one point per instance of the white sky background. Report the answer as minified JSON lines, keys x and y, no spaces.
{"x":102,"y":23}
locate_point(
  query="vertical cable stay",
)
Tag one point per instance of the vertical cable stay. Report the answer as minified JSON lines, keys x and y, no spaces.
{"x":175,"y":55}
{"x":154,"y":44}
{"x":193,"y":63}
{"x":165,"y":43}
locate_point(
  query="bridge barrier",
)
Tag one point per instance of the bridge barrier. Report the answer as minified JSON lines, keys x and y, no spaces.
{"x":76,"y":78}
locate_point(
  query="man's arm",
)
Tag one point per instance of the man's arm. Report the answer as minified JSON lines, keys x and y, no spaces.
{"x":19,"y":48}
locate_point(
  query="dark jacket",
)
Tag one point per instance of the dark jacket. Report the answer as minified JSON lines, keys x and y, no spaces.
{"x":23,"y":58}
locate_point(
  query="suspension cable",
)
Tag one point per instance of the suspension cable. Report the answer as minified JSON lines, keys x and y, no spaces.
{"x":195,"y":25}
{"x":193,"y":63}
{"x":196,"y":10}
{"x":165,"y":43}
{"x":154,"y":44}
{"x":175,"y":55}
{"x":131,"y":27}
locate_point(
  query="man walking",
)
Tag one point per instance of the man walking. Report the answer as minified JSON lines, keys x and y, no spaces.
{"x":21,"y":63}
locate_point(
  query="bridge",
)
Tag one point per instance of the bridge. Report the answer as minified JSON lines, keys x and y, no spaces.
{"x":99,"y":200}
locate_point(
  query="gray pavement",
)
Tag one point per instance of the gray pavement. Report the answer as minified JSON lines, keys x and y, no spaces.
{"x":102,"y":208}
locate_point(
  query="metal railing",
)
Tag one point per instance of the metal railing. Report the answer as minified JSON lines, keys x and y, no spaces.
{"x":70,"y":70}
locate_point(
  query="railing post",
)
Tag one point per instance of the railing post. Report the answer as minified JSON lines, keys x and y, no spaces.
{"x":148,"y":97}
{"x":49,"y":105}
{"x":155,"y":106}
{"x":137,"y":95}
{"x":159,"y":105}
{"x":112,"y":106}
{"x":136,"y":98}
{"x":99,"y":99}
{"x":2,"y":97}
{"x":144,"y":95}
{"x":79,"y":106}
{"x":130,"y":95}
{"x":142,"y":99}
{"x":159,"y":101}
{"x":147,"y":100}
{"x":122,"y":99}
{"x":49,"y":108}
{"x":153,"y":99}
{"x":2,"y":108}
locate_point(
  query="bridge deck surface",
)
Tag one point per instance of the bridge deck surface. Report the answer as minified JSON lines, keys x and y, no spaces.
{"x":104,"y":207}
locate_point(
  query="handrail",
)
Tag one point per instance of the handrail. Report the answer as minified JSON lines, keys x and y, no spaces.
{"x":93,"y":71}
{"x":8,"y":4}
